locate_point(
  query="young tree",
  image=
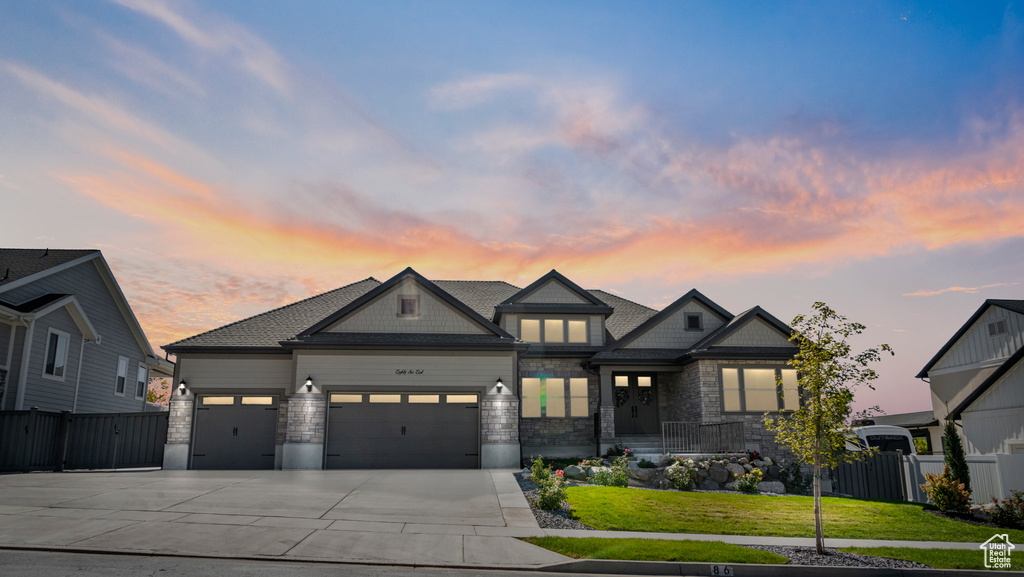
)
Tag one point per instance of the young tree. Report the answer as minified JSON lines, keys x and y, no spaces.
{"x":828,"y":373}
{"x":955,"y":459}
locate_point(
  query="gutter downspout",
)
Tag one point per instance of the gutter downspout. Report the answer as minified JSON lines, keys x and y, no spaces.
{"x":26,"y":354}
{"x":78,"y":377}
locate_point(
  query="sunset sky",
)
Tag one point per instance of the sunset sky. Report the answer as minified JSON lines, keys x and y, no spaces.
{"x":230,"y":157}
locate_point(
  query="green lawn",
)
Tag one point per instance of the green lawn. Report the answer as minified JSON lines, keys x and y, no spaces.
{"x":615,"y":509}
{"x":938,"y":558}
{"x":654,"y":550}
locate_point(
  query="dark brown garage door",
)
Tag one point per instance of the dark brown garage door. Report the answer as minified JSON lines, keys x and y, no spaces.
{"x":234,"y":432}
{"x":403,"y":431}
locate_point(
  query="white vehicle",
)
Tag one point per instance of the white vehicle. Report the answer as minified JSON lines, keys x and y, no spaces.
{"x":882,"y":437}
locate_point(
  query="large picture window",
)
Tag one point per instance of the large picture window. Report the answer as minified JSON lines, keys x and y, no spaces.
{"x":553,"y":331}
{"x":545,"y":397}
{"x":56,"y":354}
{"x":755,"y":390}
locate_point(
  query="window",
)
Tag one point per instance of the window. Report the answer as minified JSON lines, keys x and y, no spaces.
{"x":140,"y":382}
{"x":345,"y":398}
{"x":56,"y":354}
{"x":996,"y":328}
{"x":546,"y":396}
{"x":579,"y":399}
{"x":122,"y":374}
{"x":694,"y":322}
{"x":755,"y":390}
{"x":553,"y":331}
{"x":408,"y":305}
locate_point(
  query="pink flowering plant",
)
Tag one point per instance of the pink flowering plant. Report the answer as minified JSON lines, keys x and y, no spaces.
{"x":550,"y":487}
{"x":1009,"y":512}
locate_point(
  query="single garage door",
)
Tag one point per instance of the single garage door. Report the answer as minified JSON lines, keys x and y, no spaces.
{"x":403,"y":431}
{"x":234,"y":432}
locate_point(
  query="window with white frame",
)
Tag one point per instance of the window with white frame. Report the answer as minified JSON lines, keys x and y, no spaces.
{"x":757,"y":390}
{"x":553,"y":331}
{"x":56,"y":354}
{"x":140,"y":382}
{"x":122,"y":374}
{"x":545,"y":397}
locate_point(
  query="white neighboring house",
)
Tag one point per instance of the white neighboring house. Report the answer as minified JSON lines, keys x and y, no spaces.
{"x":977,"y":378}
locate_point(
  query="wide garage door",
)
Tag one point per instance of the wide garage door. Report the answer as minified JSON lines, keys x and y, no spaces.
{"x":235,"y":432}
{"x":403,"y":431}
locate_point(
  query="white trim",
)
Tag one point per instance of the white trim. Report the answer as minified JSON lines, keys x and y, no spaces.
{"x":77,"y":314}
{"x":145,"y":381}
{"x":994,"y":412}
{"x":986,"y":364}
{"x":49,"y":271}
{"x":118,"y":376}
{"x":78,"y":377}
{"x":46,"y":353}
{"x":26,"y":355}
{"x":122,"y":304}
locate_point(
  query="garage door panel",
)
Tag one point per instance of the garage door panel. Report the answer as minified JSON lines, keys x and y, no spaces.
{"x":234,"y":436}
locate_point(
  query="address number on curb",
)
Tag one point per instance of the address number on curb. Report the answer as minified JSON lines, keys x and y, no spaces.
{"x":721,"y":570}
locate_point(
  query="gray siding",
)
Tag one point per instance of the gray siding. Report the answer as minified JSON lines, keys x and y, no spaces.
{"x":671,"y":332}
{"x":99,"y":365}
{"x":597,"y":330}
{"x":241,"y":372}
{"x":976,"y":346}
{"x":381,"y":315}
{"x":756,"y":333}
{"x":440,"y":370}
{"x":554,"y":291}
{"x":49,"y":394}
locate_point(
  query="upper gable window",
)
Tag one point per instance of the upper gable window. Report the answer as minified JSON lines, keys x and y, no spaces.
{"x":56,"y":354}
{"x":408,"y":305}
{"x":996,"y":328}
{"x":553,"y":331}
{"x":694,"y":322}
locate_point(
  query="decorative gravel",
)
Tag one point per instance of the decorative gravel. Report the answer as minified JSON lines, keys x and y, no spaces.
{"x":833,"y":558}
{"x":557,"y":519}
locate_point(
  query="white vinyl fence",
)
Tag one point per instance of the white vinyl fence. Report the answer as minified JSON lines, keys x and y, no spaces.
{"x":992,"y":476}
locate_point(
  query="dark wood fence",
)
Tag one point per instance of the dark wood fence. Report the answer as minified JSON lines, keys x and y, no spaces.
{"x":880,"y":476}
{"x":36,"y":440}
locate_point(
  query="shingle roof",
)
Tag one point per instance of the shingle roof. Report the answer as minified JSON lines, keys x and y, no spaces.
{"x":269,"y":328}
{"x":627,"y":316}
{"x":918,"y":419}
{"x":480,"y":295}
{"x":400,"y":339}
{"x":18,"y":263}
{"x":34,"y":304}
{"x":639,"y":355}
{"x":1013,"y":305}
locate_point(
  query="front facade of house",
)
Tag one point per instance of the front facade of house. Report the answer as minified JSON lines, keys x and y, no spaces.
{"x":68,"y":339}
{"x":977,"y":378}
{"x":413,"y":373}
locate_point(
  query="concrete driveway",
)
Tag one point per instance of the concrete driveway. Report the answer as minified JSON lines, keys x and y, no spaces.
{"x":446,"y":518}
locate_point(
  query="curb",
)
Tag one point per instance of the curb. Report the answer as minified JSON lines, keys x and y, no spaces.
{"x":611,"y":567}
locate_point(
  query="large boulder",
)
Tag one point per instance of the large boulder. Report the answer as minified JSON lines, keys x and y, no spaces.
{"x":575,"y":473}
{"x":768,"y":461}
{"x":718,"y":474}
{"x":773,"y":471}
{"x":643,"y":475}
{"x":743,"y":461}
{"x":665,"y":485}
{"x":709,"y":486}
{"x":736,"y":470}
{"x":699,"y":477}
{"x":771,"y":487}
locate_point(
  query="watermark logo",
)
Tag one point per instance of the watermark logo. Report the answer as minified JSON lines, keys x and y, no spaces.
{"x":997,"y":551}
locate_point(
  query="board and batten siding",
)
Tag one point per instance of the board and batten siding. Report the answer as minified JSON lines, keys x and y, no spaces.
{"x":52,"y":394}
{"x":431,"y":370}
{"x":554,"y":291}
{"x":99,"y":364}
{"x":756,"y":333}
{"x":381,"y":315}
{"x":671,"y":332}
{"x":236,"y":372}
{"x":976,"y":346}
{"x":995,"y":421}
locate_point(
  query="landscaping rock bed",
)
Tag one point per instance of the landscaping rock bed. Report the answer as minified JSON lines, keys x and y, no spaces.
{"x":834,"y":558}
{"x":557,"y":519}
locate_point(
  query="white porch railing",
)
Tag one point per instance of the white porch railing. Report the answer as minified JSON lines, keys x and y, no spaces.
{"x":696,"y":437}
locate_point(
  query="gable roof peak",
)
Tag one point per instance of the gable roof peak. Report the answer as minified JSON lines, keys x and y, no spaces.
{"x":555,"y":275}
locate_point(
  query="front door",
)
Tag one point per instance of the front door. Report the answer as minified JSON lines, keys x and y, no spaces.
{"x":636,"y":405}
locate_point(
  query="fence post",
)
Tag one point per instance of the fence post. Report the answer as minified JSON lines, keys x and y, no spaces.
{"x":61,"y":444}
{"x":30,"y":440}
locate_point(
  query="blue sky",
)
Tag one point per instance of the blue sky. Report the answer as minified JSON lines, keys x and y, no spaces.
{"x":229,"y":157}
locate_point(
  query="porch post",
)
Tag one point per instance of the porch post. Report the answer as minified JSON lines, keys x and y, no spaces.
{"x":606,"y":413}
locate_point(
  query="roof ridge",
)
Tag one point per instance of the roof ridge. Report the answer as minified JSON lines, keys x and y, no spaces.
{"x":264,"y":313}
{"x":623,"y":298}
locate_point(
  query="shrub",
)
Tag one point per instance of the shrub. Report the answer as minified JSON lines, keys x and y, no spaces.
{"x":684,"y":476}
{"x":589,"y":463}
{"x":956,"y":462}
{"x":550,"y":487}
{"x":1009,"y":512}
{"x":616,"y":475}
{"x":946,"y":492}
{"x":617,"y":451}
{"x":796,"y":482}
{"x":748,"y":484}
{"x":645,"y":464}
{"x":540,"y":473}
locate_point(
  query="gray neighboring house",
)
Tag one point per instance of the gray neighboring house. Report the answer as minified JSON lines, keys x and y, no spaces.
{"x":412,"y":373}
{"x":977,"y":378}
{"x":68,"y":339}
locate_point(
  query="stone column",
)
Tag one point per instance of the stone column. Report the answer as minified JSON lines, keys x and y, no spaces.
{"x":499,"y":432}
{"x":305,"y":435}
{"x":179,"y":432}
{"x":606,"y":413}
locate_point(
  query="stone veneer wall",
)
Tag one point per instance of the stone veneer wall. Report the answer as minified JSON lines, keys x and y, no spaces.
{"x":179,"y":423}
{"x":282,"y":421}
{"x":499,"y":419}
{"x":307,"y":419}
{"x":682,"y":395}
{"x":559,"y":431}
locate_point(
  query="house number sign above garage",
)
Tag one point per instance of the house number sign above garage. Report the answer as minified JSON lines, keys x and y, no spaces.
{"x":408,"y":371}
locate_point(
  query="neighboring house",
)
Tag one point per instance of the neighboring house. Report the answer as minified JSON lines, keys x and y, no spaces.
{"x":921,"y":424}
{"x":977,"y":378}
{"x":413,"y":373}
{"x":68,"y":339}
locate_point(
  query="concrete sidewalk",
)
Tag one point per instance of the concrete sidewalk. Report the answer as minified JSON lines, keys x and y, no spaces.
{"x":418,"y":518}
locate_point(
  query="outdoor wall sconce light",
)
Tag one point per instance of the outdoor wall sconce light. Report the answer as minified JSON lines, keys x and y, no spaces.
{"x":499,"y":384}
{"x":181,"y":388}
{"x":309,"y":384}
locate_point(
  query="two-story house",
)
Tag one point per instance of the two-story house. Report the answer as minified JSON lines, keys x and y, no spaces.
{"x":68,"y":339}
{"x":411,"y":373}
